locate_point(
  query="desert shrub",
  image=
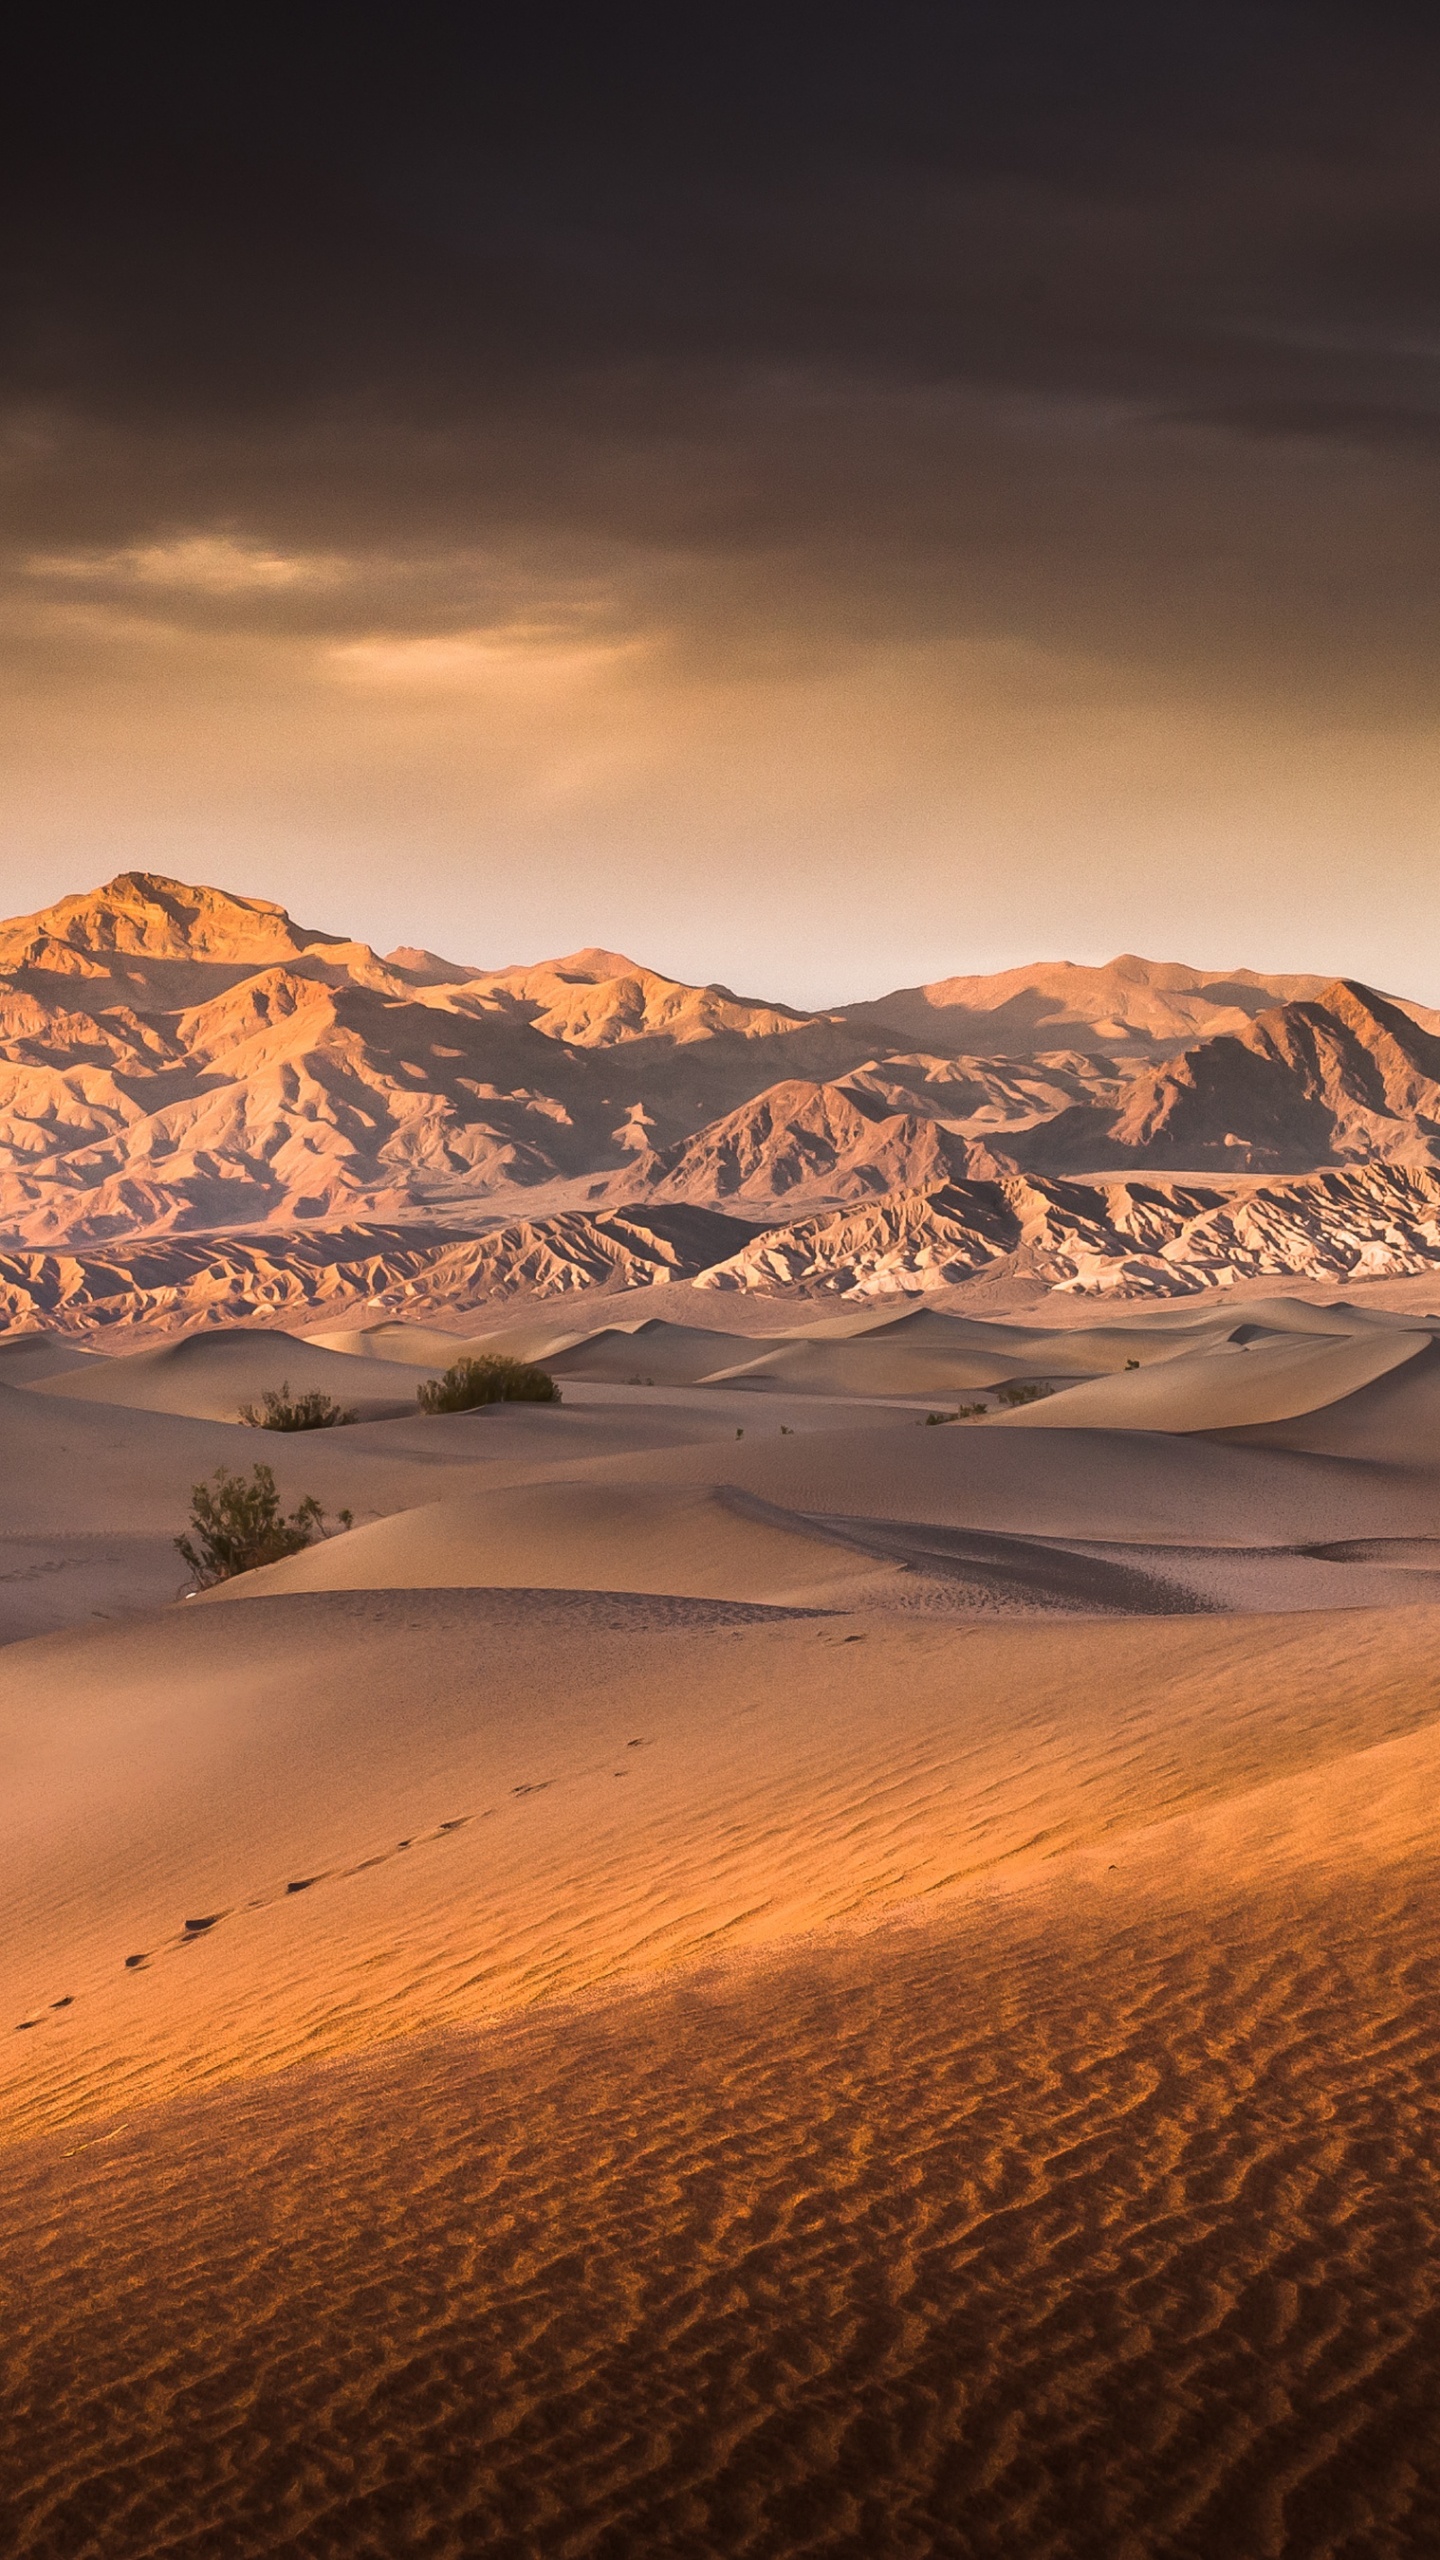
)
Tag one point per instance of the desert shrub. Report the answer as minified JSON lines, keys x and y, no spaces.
{"x":1024,"y":1391}
{"x":971,"y":1412}
{"x":492,"y":1380}
{"x":280,"y":1411}
{"x":238,"y":1524}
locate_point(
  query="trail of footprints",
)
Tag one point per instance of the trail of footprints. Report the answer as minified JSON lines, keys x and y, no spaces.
{"x":193,"y":1931}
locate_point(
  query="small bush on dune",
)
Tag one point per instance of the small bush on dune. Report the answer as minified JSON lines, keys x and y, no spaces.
{"x":280,"y":1411}
{"x":493,"y":1380}
{"x":1024,"y":1391}
{"x":238,"y":1524}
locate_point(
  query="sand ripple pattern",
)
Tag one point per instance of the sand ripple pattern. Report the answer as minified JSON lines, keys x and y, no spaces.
{"x":1062,"y":2227}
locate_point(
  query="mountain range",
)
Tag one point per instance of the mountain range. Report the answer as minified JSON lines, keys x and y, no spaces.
{"x":180,"y":1063}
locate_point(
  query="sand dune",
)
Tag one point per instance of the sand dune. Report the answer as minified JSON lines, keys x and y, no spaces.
{"x":878,"y":1520}
{"x":94,"y":1494}
{"x":1140,"y":1518}
{"x":27,"y":1357}
{"x":1132,"y":1486}
{"x":613,"y":1536}
{"x":1227,"y":1384}
{"x":203,"y":1763}
{"x":97,"y":1490}
{"x":729,"y":1972}
{"x":1091,"y":1348}
{"x":890,"y":2088}
{"x":413,"y":1346}
{"x":210,"y":1375}
{"x":1096,"y":2220}
{"x":1392,"y":1420}
{"x":655,"y":1353}
{"x":864,"y":1365}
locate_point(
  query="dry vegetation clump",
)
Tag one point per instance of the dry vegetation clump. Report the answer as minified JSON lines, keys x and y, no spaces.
{"x":280,"y":1411}
{"x":492,"y":1380}
{"x":1025,"y":1391}
{"x":239,"y":1524}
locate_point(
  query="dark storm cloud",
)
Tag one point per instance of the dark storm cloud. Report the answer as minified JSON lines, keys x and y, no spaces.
{"x":434,"y":208}
{"x":912,"y":315}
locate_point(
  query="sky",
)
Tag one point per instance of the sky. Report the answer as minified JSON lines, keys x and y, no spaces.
{"x":818,"y":498}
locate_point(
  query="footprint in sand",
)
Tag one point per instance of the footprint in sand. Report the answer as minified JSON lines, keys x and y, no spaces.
{"x":536,"y":1787}
{"x":201,"y":1926}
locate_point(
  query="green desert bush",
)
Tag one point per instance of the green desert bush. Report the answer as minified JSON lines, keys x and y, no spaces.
{"x":238,"y":1524}
{"x":1024,"y":1391}
{"x":280,"y":1411}
{"x":491,"y":1380}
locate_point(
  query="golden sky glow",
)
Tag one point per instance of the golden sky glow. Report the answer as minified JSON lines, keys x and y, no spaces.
{"x":980,"y":534}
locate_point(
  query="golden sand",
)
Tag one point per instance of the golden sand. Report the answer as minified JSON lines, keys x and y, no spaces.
{"x":828,"y":2047}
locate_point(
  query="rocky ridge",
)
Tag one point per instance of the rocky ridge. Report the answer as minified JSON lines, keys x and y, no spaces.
{"x":1119,"y":1239}
{"x":177,"y":1063}
{"x":1106,"y":1239}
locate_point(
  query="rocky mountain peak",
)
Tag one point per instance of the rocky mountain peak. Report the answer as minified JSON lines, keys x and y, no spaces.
{"x":145,"y":913}
{"x":175,"y":1056}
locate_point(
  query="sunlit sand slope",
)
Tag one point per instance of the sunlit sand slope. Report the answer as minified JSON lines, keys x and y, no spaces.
{"x":396,"y":1809}
{"x":1097,"y":2216}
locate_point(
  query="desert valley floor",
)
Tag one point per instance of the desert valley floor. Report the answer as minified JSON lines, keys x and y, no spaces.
{"x":745,"y":1965}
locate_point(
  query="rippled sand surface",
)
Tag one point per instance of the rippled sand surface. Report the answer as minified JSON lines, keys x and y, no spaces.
{"x":1099,"y":2219}
{"x":862,"y":1992}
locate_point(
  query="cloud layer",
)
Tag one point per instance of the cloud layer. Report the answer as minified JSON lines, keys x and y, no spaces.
{"x":910,"y":493}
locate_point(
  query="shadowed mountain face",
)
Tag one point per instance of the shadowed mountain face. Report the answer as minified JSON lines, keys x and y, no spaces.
{"x":1341,"y":1077}
{"x":1344,"y":1077}
{"x":176,"y":1060}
